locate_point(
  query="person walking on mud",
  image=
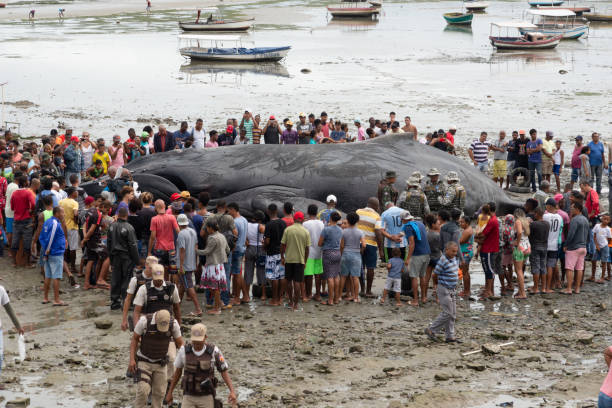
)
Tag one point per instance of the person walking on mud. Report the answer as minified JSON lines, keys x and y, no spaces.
{"x":123,"y":253}
{"x":5,"y":301}
{"x":52,"y":246}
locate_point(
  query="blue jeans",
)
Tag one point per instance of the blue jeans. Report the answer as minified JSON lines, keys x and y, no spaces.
{"x":483,"y":166}
{"x":533,"y":168}
{"x":604,"y":401}
{"x":591,"y":243}
{"x":596,"y":174}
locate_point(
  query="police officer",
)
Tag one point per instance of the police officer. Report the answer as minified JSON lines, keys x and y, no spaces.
{"x":159,"y":295}
{"x":413,"y":199}
{"x":123,"y":253}
{"x":140,"y":278}
{"x":386,"y":192}
{"x":455,"y":193}
{"x":418,"y":176}
{"x":199,"y":359}
{"x":148,"y":356}
{"x":434,"y":187}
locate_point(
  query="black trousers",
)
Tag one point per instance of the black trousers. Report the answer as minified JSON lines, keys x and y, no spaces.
{"x":122,"y":267}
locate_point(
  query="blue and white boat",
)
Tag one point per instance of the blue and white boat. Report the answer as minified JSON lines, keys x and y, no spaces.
{"x":227,"y":48}
{"x":538,"y":3}
{"x":556,"y":22}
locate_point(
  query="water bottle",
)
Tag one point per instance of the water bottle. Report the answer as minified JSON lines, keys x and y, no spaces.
{"x":22,"y":347}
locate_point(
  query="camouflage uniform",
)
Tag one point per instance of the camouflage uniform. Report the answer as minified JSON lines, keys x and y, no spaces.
{"x":455,"y":194}
{"x":386,"y":192}
{"x":414,"y":200}
{"x":433,"y":192}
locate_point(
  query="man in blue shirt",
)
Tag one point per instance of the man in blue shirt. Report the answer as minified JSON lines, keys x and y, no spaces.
{"x":181,"y":135}
{"x":417,"y":258}
{"x":534,"y":150}
{"x":597,"y":159}
{"x":52,"y":246}
{"x":392,"y":230}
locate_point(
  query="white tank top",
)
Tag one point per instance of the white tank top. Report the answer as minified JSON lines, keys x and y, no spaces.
{"x":252,"y":230}
{"x":88,"y":155}
{"x":557,"y":157}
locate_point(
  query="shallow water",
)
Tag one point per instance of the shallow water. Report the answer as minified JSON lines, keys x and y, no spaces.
{"x":97,"y":74}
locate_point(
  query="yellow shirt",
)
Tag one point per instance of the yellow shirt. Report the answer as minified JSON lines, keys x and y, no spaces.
{"x":482,"y":221}
{"x":71,"y":209}
{"x":548,"y":146}
{"x":369,"y":222}
{"x":105,"y":160}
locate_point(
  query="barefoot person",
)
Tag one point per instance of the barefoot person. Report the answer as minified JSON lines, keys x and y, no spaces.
{"x":53,"y":245}
{"x":198,"y":359}
{"x":5,"y":301}
{"x":329,"y":241}
{"x":295,"y":245}
{"x":417,"y":257}
{"x":575,"y":248}
{"x":601,"y":237}
{"x":351,"y":245}
{"x":555,"y":222}
{"x":314,"y":264}
{"x":187,"y":245}
{"x":466,"y":242}
{"x":216,"y":252}
{"x":275,"y":272}
{"x":538,"y":238}
{"x":521,"y":251}
{"x":395,"y":266}
{"x":447,"y":270}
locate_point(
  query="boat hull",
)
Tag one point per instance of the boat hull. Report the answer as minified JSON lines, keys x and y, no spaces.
{"x":553,"y":3}
{"x":353,"y":11}
{"x":211,"y":54}
{"x":235,"y":25}
{"x":476,"y":5}
{"x":458,"y":18}
{"x":599,"y":17}
{"x":517,"y":43}
{"x":570,"y":33}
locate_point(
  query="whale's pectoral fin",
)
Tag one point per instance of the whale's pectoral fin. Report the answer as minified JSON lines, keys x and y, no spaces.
{"x":160,"y":187}
{"x":258,"y":198}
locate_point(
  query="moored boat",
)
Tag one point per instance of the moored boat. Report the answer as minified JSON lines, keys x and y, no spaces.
{"x":458,"y":18}
{"x":2,"y":5}
{"x":528,"y":41}
{"x":578,"y":10}
{"x":599,"y":17}
{"x":537,"y":3}
{"x":353,"y":9}
{"x":476,"y":5}
{"x":216,"y":23}
{"x":556,"y":22}
{"x":216,"y":50}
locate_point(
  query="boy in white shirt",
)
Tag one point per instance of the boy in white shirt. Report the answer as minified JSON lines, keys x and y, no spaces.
{"x":602,"y":237}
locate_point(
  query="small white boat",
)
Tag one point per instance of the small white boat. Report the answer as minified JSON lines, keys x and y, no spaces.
{"x":354,"y":9}
{"x":476,"y":5}
{"x":528,"y":41}
{"x":227,"y":48}
{"x":556,"y":22}
{"x":215,"y":22}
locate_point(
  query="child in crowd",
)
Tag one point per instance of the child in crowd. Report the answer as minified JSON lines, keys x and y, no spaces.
{"x":394,"y":279}
{"x":602,"y":236}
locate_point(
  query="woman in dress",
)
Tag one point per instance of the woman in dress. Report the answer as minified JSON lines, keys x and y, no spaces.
{"x":466,"y":244}
{"x":521,"y":250}
{"x":216,"y":253}
{"x":332,"y":257}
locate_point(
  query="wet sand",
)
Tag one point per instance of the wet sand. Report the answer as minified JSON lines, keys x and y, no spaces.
{"x":349,"y":355}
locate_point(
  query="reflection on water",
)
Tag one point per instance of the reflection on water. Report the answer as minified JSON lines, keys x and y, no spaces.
{"x":352,"y":24}
{"x":230,"y":73}
{"x":458,"y":29}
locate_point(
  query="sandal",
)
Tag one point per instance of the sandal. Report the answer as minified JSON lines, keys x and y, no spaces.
{"x":194,"y":314}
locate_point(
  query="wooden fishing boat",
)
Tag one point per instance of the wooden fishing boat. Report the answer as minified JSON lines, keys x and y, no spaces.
{"x":215,"y":22}
{"x":215,"y":50}
{"x":556,"y":22}
{"x":2,"y":5}
{"x":578,"y":10}
{"x":458,"y":18}
{"x":599,"y":17}
{"x":537,"y":3}
{"x":528,"y":41}
{"x":476,"y":5}
{"x":353,"y":9}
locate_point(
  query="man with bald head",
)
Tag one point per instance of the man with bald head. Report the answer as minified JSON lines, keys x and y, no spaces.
{"x":161,"y":241}
{"x":163,"y":141}
{"x":371,"y":225}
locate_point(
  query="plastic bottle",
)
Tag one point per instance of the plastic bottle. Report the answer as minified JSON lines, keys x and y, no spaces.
{"x":22,"y":347}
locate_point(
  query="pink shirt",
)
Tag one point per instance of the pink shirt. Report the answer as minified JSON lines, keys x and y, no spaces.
{"x":361,"y":134}
{"x":164,"y":226}
{"x":118,"y":161}
{"x":211,"y":144}
{"x":606,"y":387}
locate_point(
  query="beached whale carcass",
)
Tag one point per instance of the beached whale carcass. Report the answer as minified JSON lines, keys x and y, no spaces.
{"x":255,"y":175}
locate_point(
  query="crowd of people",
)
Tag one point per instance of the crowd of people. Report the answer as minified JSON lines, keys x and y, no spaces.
{"x":156,"y":255}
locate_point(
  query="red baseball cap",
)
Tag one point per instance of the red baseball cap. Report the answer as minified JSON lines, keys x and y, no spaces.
{"x":175,"y":197}
{"x":89,"y":200}
{"x":74,"y":139}
{"x":230,"y":128}
{"x":272,"y":117}
{"x":298,"y":216}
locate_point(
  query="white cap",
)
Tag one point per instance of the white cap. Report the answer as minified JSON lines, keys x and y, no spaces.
{"x":331,"y":198}
{"x":182,"y":220}
{"x":452,"y":127}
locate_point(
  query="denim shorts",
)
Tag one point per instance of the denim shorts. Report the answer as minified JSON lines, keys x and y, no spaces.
{"x":604,"y":401}
{"x":556,"y":169}
{"x":602,"y":255}
{"x":351,"y":264}
{"x":236,"y":266}
{"x":369,"y":256}
{"x":54,"y":266}
{"x":575,"y":175}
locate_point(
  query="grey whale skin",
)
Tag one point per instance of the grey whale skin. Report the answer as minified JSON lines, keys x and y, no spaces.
{"x":254,"y":175}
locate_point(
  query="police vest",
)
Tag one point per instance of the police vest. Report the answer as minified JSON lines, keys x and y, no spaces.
{"x":158,"y":299}
{"x":199,"y":369}
{"x":141,"y":280}
{"x":414,"y":202}
{"x":431,"y":192}
{"x":153,"y":343}
{"x":460,"y":196}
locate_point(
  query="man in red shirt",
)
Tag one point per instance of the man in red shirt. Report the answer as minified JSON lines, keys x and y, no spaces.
{"x":489,"y":249}
{"x":161,"y":242}
{"x":22,"y":203}
{"x":591,"y":199}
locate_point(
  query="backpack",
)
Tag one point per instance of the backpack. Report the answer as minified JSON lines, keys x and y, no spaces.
{"x":231,"y":239}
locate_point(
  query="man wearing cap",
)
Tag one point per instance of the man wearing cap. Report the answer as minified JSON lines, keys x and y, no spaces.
{"x":289,"y":135}
{"x":303,"y":129}
{"x":186,"y":249}
{"x":386,"y":191}
{"x":324,"y":215}
{"x":576,"y":162}
{"x":413,"y":199}
{"x":148,"y":356}
{"x":295,"y":245}
{"x":199,"y":360}
{"x":479,"y":153}
{"x":450,"y":136}
{"x":410,"y":128}
{"x":548,"y":147}
{"x":417,"y":258}
{"x":597,"y":159}
{"x":161,"y":241}
{"x":226,"y":138}
{"x":163,"y":141}
{"x":73,"y":159}
{"x":434,"y":188}
{"x":47,"y":168}
{"x":271,"y":131}
{"x":247,"y":124}
{"x":522,"y":158}
{"x":455,"y":193}
{"x":123,"y":254}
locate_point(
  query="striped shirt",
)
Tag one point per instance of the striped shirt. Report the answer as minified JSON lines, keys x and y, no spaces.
{"x":447,"y":271}
{"x":481,"y":150}
{"x":369,"y":221}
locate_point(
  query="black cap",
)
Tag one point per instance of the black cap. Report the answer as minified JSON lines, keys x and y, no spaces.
{"x":551,"y":202}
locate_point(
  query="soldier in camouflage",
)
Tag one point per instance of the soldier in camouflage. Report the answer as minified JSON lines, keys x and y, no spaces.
{"x":455,"y":193}
{"x":386,"y":192}
{"x":418,"y":176}
{"x":413,"y":199}
{"x":434,"y":188}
